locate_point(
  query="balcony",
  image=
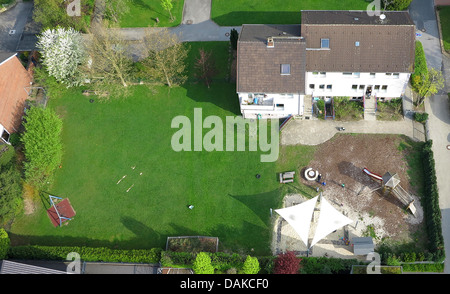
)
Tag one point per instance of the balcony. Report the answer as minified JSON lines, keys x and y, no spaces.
{"x":259,"y":103}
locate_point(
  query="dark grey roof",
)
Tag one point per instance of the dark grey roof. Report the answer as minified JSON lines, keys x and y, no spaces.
{"x":354,"y":17}
{"x":381,"y":48}
{"x":4,"y":55}
{"x":260,"y":32}
{"x":12,"y":267}
{"x":258,"y":67}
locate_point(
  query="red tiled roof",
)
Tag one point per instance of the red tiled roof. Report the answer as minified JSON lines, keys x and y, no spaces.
{"x":13,"y":80}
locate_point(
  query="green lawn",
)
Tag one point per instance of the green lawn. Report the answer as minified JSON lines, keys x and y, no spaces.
{"x":104,"y":140}
{"x":143,"y":13}
{"x":238,"y":12}
{"x":444,"y":15}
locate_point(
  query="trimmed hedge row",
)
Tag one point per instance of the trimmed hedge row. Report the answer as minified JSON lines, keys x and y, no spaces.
{"x":86,"y":253}
{"x":432,"y":211}
{"x":420,"y":67}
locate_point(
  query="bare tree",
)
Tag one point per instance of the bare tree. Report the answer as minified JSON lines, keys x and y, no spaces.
{"x":115,"y":9}
{"x":205,"y":67}
{"x":166,"y":57}
{"x":109,"y":64}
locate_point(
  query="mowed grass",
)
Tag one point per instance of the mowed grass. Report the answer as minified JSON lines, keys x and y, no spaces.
{"x":103,"y":141}
{"x":143,"y":13}
{"x":444,"y":15}
{"x":238,"y":12}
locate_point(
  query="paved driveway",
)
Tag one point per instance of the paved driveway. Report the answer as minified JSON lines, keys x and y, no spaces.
{"x":13,"y":19}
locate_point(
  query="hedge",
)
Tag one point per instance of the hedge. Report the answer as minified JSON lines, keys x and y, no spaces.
{"x":4,"y":243}
{"x":86,"y":254}
{"x":432,"y":212}
{"x":420,"y":67}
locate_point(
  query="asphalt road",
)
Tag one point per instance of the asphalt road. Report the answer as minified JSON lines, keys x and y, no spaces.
{"x":13,"y":19}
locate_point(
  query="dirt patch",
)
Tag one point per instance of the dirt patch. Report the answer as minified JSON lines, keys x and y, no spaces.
{"x":342,"y":159}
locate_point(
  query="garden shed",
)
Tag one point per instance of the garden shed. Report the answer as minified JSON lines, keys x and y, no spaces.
{"x":362,"y":245}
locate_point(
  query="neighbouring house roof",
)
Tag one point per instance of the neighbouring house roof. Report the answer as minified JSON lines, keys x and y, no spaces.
{"x":259,"y":67}
{"x":13,"y":80}
{"x":359,"y":42}
{"x":12,"y":267}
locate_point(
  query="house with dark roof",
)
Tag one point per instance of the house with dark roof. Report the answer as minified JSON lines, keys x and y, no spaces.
{"x":14,"y":80}
{"x":283,"y":69}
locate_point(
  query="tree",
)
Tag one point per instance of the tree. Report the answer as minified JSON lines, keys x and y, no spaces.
{"x":397,"y":4}
{"x":286,"y":263}
{"x":431,"y":84}
{"x":109,"y":63}
{"x":4,"y":243}
{"x":205,"y":67}
{"x":168,"y":5}
{"x":42,"y":145}
{"x":10,"y":191}
{"x":115,"y":9}
{"x":62,"y":52}
{"x":202,"y":264}
{"x":234,"y":35}
{"x":166,"y":57}
{"x":251,"y":265}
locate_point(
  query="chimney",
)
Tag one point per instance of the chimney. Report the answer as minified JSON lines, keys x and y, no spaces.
{"x":270,"y":43}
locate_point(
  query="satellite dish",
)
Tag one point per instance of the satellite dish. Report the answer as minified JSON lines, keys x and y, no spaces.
{"x":382,"y":16}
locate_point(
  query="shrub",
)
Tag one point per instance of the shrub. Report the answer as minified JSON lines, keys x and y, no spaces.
{"x":42,"y":144}
{"x":398,"y":4}
{"x":4,"y":243}
{"x":251,"y":265}
{"x":420,"y":73}
{"x":287,"y":263}
{"x":234,"y":35}
{"x":420,"y":117}
{"x":202,"y":264}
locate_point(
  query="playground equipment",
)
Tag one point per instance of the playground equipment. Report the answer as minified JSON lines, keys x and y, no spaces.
{"x":390,"y":184}
{"x":287,"y":177}
{"x":60,"y":211}
{"x":310,"y":174}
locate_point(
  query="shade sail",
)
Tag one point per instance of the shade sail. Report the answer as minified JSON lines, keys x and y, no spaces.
{"x":329,"y":220}
{"x":299,"y":217}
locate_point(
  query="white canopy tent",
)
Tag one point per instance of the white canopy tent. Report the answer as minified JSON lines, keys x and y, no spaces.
{"x":300,"y":218}
{"x":329,"y":220}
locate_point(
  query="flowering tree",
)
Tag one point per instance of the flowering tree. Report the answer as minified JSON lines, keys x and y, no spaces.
{"x":62,"y":53}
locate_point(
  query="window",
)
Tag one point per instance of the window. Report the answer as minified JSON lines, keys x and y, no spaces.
{"x":347,"y":74}
{"x":384,"y":88}
{"x":312,"y":86}
{"x":315,"y":73}
{"x":356,"y":74}
{"x":354,"y":87}
{"x":324,"y":43}
{"x":357,"y":43}
{"x":361,"y":87}
{"x":377,"y":87}
{"x":321,"y":87}
{"x":372,"y":75}
{"x":396,"y":75}
{"x":388,"y":74}
{"x":329,"y":87}
{"x":285,"y":69}
{"x":323,"y":74}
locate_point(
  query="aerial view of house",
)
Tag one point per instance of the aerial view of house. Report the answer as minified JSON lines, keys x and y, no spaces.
{"x":222,"y":137}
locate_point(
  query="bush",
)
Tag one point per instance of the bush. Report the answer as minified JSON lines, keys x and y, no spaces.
{"x":420,"y":73}
{"x":86,"y":253}
{"x":398,"y":4}
{"x":42,"y":145}
{"x":234,"y":35}
{"x":251,"y":265}
{"x":287,"y":263}
{"x":202,"y":264}
{"x":420,"y":117}
{"x":4,"y":243}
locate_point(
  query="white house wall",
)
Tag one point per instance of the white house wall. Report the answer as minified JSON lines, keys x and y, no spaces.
{"x":273,"y":105}
{"x":343,"y":84}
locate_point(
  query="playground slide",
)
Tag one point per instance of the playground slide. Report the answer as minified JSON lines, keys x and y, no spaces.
{"x":375,"y":176}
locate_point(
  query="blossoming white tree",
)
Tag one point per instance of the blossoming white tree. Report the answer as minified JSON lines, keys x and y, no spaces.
{"x":63,"y":52}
